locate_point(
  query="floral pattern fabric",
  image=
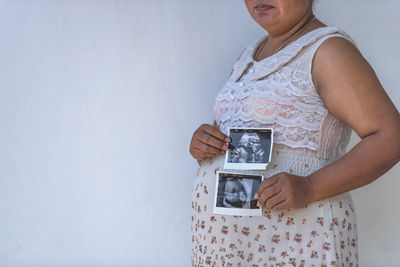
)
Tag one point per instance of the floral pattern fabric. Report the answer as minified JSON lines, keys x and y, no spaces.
{"x":322,"y":234}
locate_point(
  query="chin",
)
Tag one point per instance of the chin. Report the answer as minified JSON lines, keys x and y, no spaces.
{"x":265,"y":19}
{"x":265,"y":22}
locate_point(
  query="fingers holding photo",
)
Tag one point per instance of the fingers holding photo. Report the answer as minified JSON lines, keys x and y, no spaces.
{"x":207,"y":141}
{"x":284,"y":191}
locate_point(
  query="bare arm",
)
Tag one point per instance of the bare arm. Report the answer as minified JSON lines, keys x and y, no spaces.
{"x":351,"y":91}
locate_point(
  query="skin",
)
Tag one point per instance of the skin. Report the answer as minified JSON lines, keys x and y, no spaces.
{"x":282,"y":21}
{"x":207,"y":142}
{"x":357,"y":98}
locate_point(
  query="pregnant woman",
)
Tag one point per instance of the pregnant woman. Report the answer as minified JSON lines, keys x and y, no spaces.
{"x":310,"y":84}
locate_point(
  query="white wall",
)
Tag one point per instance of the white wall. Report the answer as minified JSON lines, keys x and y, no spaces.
{"x":98,"y":101}
{"x":374,"y":26}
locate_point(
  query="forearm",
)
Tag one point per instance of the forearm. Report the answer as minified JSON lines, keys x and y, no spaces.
{"x":364,"y":163}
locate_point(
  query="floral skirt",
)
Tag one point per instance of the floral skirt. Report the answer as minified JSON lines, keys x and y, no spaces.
{"x":322,"y":234}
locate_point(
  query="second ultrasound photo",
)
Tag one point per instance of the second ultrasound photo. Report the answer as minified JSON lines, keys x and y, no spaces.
{"x":235,"y":194}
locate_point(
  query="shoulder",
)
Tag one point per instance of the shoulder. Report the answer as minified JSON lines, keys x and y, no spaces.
{"x":338,"y":57}
{"x":337,"y":49}
{"x":348,"y":85}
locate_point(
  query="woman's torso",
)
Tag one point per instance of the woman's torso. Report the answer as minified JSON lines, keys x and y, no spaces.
{"x":278,"y":92}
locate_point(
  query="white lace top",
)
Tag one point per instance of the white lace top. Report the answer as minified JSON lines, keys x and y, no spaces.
{"x":278,"y":92}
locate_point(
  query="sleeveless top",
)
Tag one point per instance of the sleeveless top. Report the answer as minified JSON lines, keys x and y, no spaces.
{"x":278,"y":92}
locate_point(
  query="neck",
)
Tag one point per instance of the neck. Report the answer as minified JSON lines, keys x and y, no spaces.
{"x":278,"y":35}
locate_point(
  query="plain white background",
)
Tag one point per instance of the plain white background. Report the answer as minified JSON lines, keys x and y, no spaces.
{"x":98,"y":102}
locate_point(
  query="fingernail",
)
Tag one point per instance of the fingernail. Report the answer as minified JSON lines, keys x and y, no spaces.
{"x":227,"y":139}
{"x":256,"y":196}
{"x":225,"y":147}
{"x":223,"y":151}
{"x":258,"y":204}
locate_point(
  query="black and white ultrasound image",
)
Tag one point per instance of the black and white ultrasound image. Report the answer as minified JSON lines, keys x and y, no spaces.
{"x":237,"y":191}
{"x":249,"y":146}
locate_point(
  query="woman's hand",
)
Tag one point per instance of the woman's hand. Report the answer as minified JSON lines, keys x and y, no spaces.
{"x":208,"y":141}
{"x":284,"y":191}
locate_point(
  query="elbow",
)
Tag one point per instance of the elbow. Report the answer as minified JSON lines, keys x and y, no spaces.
{"x":395,"y":145}
{"x":397,"y":158}
{"x":390,"y":139}
{"x":396,"y":141}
